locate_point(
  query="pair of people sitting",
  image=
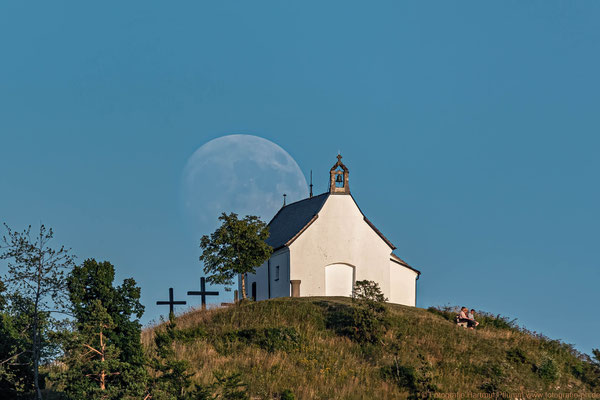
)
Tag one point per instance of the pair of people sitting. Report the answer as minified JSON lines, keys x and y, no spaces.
{"x":468,"y":317}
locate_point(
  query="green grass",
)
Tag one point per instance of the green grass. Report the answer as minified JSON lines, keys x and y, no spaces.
{"x":293,"y":344}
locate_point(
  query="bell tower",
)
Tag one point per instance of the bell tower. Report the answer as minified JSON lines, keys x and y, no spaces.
{"x":338,"y":178}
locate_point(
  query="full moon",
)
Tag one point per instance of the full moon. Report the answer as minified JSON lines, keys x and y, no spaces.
{"x":244,"y":174}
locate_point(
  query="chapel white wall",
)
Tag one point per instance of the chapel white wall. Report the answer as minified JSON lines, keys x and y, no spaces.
{"x":339,"y":235}
{"x":279,"y":287}
{"x":403,"y":282}
{"x":260,"y":277}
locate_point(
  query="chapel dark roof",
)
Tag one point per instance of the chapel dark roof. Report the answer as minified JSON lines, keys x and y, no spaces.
{"x":292,"y":219}
{"x":400,"y":261}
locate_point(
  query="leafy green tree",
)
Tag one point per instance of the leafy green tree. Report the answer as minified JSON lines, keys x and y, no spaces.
{"x":368,"y":291}
{"x":2,"y":295}
{"x":596,"y":355}
{"x":36,"y":277}
{"x":16,"y":375}
{"x":92,"y":360}
{"x":229,"y":387}
{"x":237,"y":247}
{"x":590,"y":369}
{"x":369,"y":314}
{"x":16,"y":356}
{"x":93,"y":281}
{"x":105,"y":354}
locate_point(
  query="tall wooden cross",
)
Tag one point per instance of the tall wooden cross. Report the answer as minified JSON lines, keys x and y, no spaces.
{"x":171,"y":302}
{"x":202,"y":292}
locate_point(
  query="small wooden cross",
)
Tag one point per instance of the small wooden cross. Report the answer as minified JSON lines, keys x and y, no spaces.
{"x":171,"y":302}
{"x":202,"y":292}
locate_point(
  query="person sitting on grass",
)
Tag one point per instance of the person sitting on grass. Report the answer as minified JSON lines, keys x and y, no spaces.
{"x":471,"y":316}
{"x":463,"y":317}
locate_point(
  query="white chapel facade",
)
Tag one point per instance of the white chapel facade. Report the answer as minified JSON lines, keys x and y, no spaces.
{"x":323,"y":244}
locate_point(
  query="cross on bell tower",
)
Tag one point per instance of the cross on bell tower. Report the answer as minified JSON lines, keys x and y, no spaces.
{"x":338,"y":178}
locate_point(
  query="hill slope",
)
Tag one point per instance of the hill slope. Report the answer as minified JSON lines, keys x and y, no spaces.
{"x":296,"y":344}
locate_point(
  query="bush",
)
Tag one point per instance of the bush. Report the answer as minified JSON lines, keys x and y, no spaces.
{"x":403,"y":376}
{"x":368,"y":291}
{"x":367,"y":320}
{"x":548,"y":370}
{"x":229,"y":387}
{"x":269,"y":339}
{"x":417,"y":381}
{"x":446,"y":312}
{"x":287,"y":395}
{"x":489,"y":387}
{"x":516,"y":355}
{"x":363,"y":322}
{"x":496,"y":321}
{"x":224,"y":387}
{"x":190,"y":334}
{"x":588,"y":373}
{"x":369,"y":324}
{"x":492,"y":375}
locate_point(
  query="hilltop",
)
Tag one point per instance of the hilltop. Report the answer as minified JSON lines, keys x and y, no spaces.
{"x":300,"y":345}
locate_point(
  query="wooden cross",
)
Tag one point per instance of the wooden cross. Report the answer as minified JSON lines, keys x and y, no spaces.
{"x":202,"y":292}
{"x":171,"y":302}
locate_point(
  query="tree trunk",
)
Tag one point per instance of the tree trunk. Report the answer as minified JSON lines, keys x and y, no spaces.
{"x":36,"y":358}
{"x":102,"y":373}
{"x":243,"y":286}
{"x":36,"y":347}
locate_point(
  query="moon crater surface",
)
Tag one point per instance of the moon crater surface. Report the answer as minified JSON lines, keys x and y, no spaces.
{"x":244,"y":174}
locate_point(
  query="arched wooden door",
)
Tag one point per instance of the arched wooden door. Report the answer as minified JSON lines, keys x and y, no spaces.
{"x":339,"y":280}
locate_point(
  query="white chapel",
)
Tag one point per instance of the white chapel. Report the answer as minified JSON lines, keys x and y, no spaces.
{"x":323,"y":244}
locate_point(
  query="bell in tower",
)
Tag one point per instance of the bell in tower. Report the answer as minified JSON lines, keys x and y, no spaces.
{"x":339,"y":178}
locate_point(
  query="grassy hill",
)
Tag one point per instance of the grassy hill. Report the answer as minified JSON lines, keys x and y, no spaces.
{"x":301,"y":345}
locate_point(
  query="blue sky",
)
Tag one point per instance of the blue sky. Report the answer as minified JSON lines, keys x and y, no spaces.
{"x":470,"y":129}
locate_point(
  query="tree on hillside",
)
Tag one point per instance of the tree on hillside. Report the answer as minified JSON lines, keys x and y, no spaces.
{"x":16,"y":375}
{"x":596,"y":353}
{"x":92,"y":360}
{"x":94,"y":281}
{"x":36,"y":278}
{"x":369,"y":320}
{"x":591,"y":371}
{"x":105,"y":353}
{"x":368,"y":291}
{"x":237,"y":247}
